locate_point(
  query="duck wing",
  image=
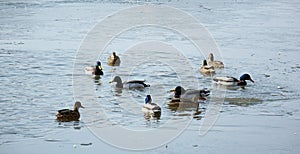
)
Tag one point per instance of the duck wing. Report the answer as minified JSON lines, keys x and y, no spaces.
{"x":142,"y":82}
{"x":66,"y":115}
{"x":208,"y":67}
{"x":136,"y":81}
{"x":225,"y":79}
{"x":190,"y":95}
{"x":152,"y":106}
{"x":217,"y":64}
{"x":64,"y":111}
{"x":117,"y":61}
{"x":89,"y":70}
{"x":155,"y":107}
{"x":191,"y":92}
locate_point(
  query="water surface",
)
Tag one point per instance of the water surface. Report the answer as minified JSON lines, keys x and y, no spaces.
{"x":38,"y":47}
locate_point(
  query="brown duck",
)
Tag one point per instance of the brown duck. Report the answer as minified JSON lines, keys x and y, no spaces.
{"x":69,"y":115}
{"x":114,"y":60}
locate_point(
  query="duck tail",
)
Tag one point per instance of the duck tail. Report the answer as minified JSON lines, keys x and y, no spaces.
{"x":204,"y":92}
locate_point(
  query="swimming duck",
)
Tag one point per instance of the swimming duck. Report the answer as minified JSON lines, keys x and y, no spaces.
{"x":231,"y":81}
{"x":66,"y":115}
{"x":180,"y":94}
{"x":114,"y":60}
{"x":129,"y":84}
{"x":151,"y":108}
{"x":206,"y":69}
{"x":212,"y":62}
{"x":94,"y":70}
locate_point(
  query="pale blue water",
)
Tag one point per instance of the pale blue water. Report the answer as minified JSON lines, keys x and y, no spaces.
{"x":38,"y":46}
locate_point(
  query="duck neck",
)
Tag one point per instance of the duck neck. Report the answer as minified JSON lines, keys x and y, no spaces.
{"x":98,"y":70}
{"x":242,"y":83}
{"x":119,"y":85}
{"x":177,"y":95}
{"x":211,"y":57}
{"x":148,"y":102}
{"x":119,"y":82}
{"x":115,"y":58}
{"x":76,"y":109}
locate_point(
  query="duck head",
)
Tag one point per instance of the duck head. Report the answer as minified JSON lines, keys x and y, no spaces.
{"x":211,"y":57}
{"x":98,"y":64}
{"x":245,"y":77}
{"x":178,"y":91}
{"x":204,"y":63}
{"x":148,"y":99}
{"x":118,"y":80}
{"x":77,"y":105}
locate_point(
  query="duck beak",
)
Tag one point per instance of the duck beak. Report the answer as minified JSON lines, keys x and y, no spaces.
{"x":251,"y":80}
{"x":173,"y":90}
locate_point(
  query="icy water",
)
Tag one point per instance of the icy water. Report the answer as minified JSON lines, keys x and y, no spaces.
{"x":39,"y":41}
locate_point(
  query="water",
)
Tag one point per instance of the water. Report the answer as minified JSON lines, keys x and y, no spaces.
{"x":38,"y":46}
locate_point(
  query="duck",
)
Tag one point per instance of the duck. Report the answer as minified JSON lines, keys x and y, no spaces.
{"x":94,"y":70}
{"x":114,"y":60}
{"x":129,"y":84}
{"x":181,"y":94}
{"x":212,"y":62}
{"x":66,"y":115}
{"x":205,"y":69}
{"x":150,"y":108}
{"x":231,"y":81}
